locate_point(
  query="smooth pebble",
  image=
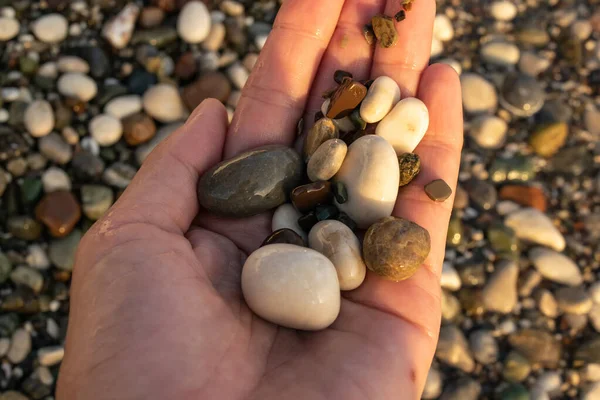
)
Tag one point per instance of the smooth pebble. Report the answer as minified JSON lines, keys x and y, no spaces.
{"x":51,"y":28}
{"x":382,"y":96}
{"x":555,"y":266}
{"x":503,"y":10}
{"x":450,"y":279}
{"x":193,"y":23}
{"x":163,"y":103}
{"x":533,"y":225}
{"x":78,"y":86}
{"x":72,"y":64}
{"x":9,"y":28}
{"x":500,"y":53}
{"x":106,"y":129}
{"x":124,"y":106}
{"x":405,"y":125}
{"x":488,"y":131}
{"x":326,"y":160}
{"x":118,"y":31}
{"x":478,"y":94}
{"x":286,"y":216}
{"x":442,"y":28}
{"x":55,"y":179}
{"x":39,"y":118}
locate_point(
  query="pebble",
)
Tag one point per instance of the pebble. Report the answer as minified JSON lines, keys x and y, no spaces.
{"x":462,"y":389}
{"x":453,"y":349}
{"x":522,"y":95}
{"x":286,"y":217}
{"x":306,"y":197}
{"x":119,"y":175}
{"x":574,"y":300}
{"x":547,"y":139}
{"x":588,"y":351}
{"x":291,"y":286}
{"x":238,"y":75}
{"x":410,"y":166}
{"x":51,"y":28}
{"x":516,"y":367}
{"x":151,"y":17}
{"x":39,"y":384}
{"x":384,"y":30}
{"x":326,"y":160}
{"x":433,"y":384}
{"x":20,"y":346}
{"x":4,"y":345}
{"x":59,"y":211}
{"x":405,"y":125}
{"x":437,"y":48}
{"x":9,"y":28}
{"x":395,"y":248}
{"x":547,"y":303}
{"x":142,"y":151}
{"x":548,"y":382}
{"x":591,"y":392}
{"x":123,"y":106}
{"x":118,"y":30}
{"x":37,"y":257}
{"x":62,"y":251}
{"x":555,"y":266}
{"x":503,"y":10}
{"x":479,"y":95}
{"x":483,"y":346}
{"x":450,"y":279}
{"x":532,"y":64}
{"x":193,"y":23}
{"x":345,"y":99}
{"x":500,"y":292}
{"x":538,"y":346}
{"x":163,"y":103}
{"x":215,"y":37}
{"x":528,"y":196}
{"x":592,"y":119}
{"x":488,"y":131}
{"x":75,"y":64}
{"x":438,"y":190}
{"x":212,"y":84}
{"x":55,"y":149}
{"x":105,"y":129}
{"x":322,"y":131}
{"x":24,"y":227}
{"x":532,"y":225}
{"x":96,"y":200}
{"x":338,"y":243}
{"x":138,"y":128}
{"x":286,"y":236}
{"x":500,"y":53}
{"x":442,"y":28}
{"x":252,"y":182}
{"x":382,"y":96}
{"x":39,"y":118}
{"x":77,"y":86}
{"x":371,"y":175}
{"x":55,"y":179}
{"x":12,"y":395}
{"x":27,"y":276}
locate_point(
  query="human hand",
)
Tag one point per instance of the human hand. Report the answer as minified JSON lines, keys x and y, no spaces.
{"x":156,"y":308}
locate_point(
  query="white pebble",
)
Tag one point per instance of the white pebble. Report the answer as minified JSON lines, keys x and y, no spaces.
{"x":8,"y":12}
{"x":48,"y":70}
{"x":500,"y":53}
{"x":10,"y":93}
{"x":89,"y":144}
{"x":382,"y":96}
{"x":238,"y":75}
{"x":51,"y":28}
{"x":533,"y":225}
{"x":286,"y":216}
{"x":9,"y":28}
{"x":489,"y":132}
{"x":442,"y":28}
{"x":119,"y":30}
{"x":163,"y":103}
{"x":39,"y":118}
{"x":594,"y":291}
{"x":437,"y":47}
{"x":555,"y":266}
{"x":78,"y":86}
{"x":405,"y":125}
{"x":73,"y":64}
{"x":55,"y":179}
{"x":479,"y":95}
{"x":37,"y":257}
{"x":582,"y":29}
{"x":124,"y":106}
{"x":450,"y":279}
{"x":504,"y":10}
{"x":106,"y":129}
{"x":193,"y":23}
{"x":4,"y":115}
{"x":49,"y":356}
{"x":260,"y":40}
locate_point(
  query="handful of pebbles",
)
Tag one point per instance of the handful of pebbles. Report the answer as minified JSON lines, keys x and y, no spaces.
{"x":354,"y":159}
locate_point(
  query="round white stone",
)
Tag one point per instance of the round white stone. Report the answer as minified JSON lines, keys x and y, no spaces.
{"x":371,"y":175}
{"x":405,"y":125}
{"x":9,"y":28}
{"x":106,"y":129}
{"x":78,"y":86}
{"x":383,"y":94}
{"x":340,"y":245}
{"x":51,"y":28}
{"x":500,"y":53}
{"x":533,"y":225}
{"x":488,"y":131}
{"x":124,"y":106}
{"x":286,"y":216}
{"x":39,"y":118}
{"x":437,"y":47}
{"x":450,"y":279}
{"x":193,"y":23}
{"x":163,"y":103}
{"x":238,"y":75}
{"x":55,"y":179}
{"x":291,"y":286}
{"x":555,"y":266}
{"x":442,"y":28}
{"x":73,"y":64}
{"x":503,"y":10}
{"x":479,"y":95}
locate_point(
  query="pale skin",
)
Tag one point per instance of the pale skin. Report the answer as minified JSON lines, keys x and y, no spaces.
{"x":156,"y":308}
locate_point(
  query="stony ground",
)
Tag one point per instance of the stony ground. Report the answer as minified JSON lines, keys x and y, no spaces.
{"x":83,"y":100}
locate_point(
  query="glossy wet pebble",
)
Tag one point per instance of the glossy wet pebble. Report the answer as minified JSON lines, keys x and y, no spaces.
{"x":252,"y":182}
{"x":395,"y":248}
{"x":284,"y":235}
{"x":326,"y":160}
{"x":522,"y":95}
{"x":346,"y":97}
{"x":337,"y":242}
{"x":163,"y":103}
{"x":371,"y":175}
{"x":291,"y":286}
{"x":405,"y":125}
{"x":383,"y":94}
{"x":306,"y":197}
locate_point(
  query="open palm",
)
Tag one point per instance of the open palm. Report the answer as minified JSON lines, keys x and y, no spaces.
{"x":156,"y":309}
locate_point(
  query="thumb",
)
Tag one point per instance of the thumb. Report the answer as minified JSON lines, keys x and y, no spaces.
{"x":163,"y":192}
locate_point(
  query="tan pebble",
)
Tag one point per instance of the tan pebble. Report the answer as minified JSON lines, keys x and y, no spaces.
{"x":327,"y":160}
{"x":323,"y":130}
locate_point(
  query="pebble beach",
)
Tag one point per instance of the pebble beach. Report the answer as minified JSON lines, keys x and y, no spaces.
{"x":89,"y":87}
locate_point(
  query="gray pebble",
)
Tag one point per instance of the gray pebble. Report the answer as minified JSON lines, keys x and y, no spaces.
{"x":62,"y":251}
{"x":54,"y":148}
{"x":20,"y":346}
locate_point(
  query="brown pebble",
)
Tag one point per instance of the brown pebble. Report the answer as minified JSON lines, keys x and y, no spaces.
{"x":212,"y":84}
{"x":151,"y":17}
{"x":369,"y":34}
{"x":385,"y":30}
{"x":326,"y":160}
{"x":186,"y":66}
{"x":306,"y":197}
{"x":346,"y":98}
{"x":138,"y":128}
{"x":322,"y":131}
{"x":395,"y":248}
{"x":59,"y":211}
{"x":339,"y":75}
{"x":529,"y":196}
{"x":461,"y":198}
{"x":284,"y":235}
{"x":438,"y":190}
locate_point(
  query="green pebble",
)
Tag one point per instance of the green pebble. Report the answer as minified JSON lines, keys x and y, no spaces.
{"x":514,"y":391}
{"x":5,"y":268}
{"x":504,"y":241}
{"x":31,"y":190}
{"x":455,"y":232}
{"x":340,"y":192}
{"x":346,"y":220}
{"x":326,"y":212}
{"x":357,"y":120}
{"x":517,"y":168}
{"x":27,"y":65}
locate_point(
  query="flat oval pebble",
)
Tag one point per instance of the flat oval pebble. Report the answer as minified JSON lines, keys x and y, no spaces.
{"x":286,"y":216}
{"x":55,"y":179}
{"x":73,"y":64}
{"x":252,"y":182}
{"x":488,"y":131}
{"x":306,"y":197}
{"x":322,"y":131}
{"x":106,"y":129}
{"x":163,"y":103}
{"x":382,"y":96}
{"x":39,"y":118}
{"x":51,"y":28}
{"x":500,"y":53}
{"x":555,"y":266}
{"x":193,"y":24}
{"x":284,"y":235}
{"x":522,"y":95}
{"x":291,"y":286}
{"x":395,"y":248}
{"x":371,"y":175}
{"x":124,"y":106}
{"x":337,"y":242}
{"x":9,"y":28}
{"x":478,"y":95}
{"x":326,"y":160}
{"x":77,"y":86}
{"x":405,"y":125}
{"x":533,"y":225}
{"x":503,"y":10}
{"x":138,"y":128}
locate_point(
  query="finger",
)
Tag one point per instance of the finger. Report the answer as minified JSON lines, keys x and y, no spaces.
{"x":417,"y":300}
{"x":405,"y":61}
{"x":163,"y":192}
{"x":275,"y":95}
{"x":348,"y":50}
